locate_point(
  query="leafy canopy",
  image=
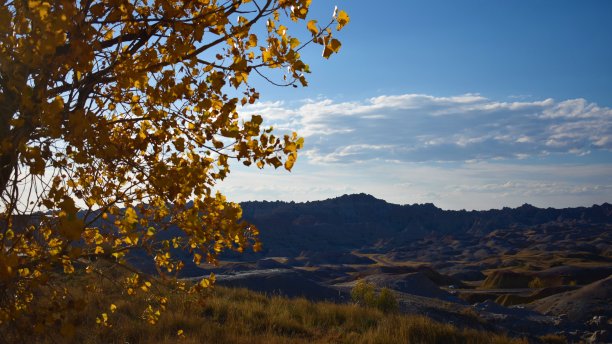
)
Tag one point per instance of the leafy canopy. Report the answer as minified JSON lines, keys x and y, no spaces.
{"x":118,"y":118}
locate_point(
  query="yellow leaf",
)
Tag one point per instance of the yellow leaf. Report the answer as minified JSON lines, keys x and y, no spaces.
{"x":342,"y":18}
{"x":68,"y":268}
{"x":197,"y":258}
{"x":294,"y":42}
{"x":24,"y":272}
{"x":312,"y":27}
{"x":334,"y":45}
{"x":204,"y":283}
{"x":327,"y":52}
{"x":102,"y":319}
{"x":300,"y":143}
{"x":252,"y":40}
{"x":130,"y":216}
{"x":266,"y":55}
{"x":290,"y":161}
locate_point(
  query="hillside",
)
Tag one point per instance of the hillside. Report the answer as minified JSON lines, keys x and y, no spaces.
{"x":446,"y":264}
{"x":476,"y":269}
{"x":241,"y":316}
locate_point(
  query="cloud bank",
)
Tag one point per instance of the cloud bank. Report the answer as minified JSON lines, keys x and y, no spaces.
{"x":459,"y":152}
{"x":421,"y":128}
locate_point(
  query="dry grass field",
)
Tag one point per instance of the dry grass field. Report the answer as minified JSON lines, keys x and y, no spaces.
{"x":241,"y":316}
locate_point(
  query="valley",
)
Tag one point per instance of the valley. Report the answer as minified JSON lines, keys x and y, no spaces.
{"x":528,"y":272}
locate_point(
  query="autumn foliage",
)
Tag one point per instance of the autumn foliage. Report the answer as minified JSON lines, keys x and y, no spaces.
{"x":117,"y":119}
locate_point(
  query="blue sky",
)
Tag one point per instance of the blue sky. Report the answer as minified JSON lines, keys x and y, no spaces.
{"x":465,"y":104}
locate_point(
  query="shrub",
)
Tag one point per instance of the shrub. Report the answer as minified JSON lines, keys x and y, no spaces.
{"x":536,"y":283}
{"x":364,"y":294}
{"x":386,"y":301}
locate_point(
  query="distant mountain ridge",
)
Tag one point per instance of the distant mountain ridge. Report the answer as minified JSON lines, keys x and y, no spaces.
{"x":361,"y":221}
{"x":331,"y":231}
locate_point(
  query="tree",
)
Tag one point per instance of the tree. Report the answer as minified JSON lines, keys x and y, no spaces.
{"x":118,"y":117}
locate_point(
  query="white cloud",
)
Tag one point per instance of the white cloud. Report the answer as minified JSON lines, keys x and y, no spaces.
{"x":576,"y":108}
{"x":419,"y":127}
{"x":356,"y":153}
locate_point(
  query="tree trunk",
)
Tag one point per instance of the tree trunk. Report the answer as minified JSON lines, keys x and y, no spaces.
{"x":8,"y":157}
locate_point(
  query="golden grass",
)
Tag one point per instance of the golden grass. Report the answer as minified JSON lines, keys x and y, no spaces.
{"x":553,"y":339}
{"x":242,"y":316}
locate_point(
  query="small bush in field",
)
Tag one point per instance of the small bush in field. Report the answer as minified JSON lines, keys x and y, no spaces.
{"x":364,"y":294}
{"x":536,"y":283}
{"x":386,"y":301}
